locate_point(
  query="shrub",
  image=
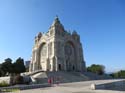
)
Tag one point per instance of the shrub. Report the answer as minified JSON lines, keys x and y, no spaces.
{"x":4,"y":84}
{"x":18,"y":79}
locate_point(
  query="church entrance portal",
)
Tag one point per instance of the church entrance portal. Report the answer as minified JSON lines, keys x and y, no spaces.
{"x":59,"y":66}
{"x":73,"y":68}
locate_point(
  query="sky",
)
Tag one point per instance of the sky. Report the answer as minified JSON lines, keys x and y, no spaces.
{"x":100,"y":23}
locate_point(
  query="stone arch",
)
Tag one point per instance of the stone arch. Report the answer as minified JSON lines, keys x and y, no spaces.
{"x":70,"y":56}
{"x":43,"y":49}
{"x":42,"y":53}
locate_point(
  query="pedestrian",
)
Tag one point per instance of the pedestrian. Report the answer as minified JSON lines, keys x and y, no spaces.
{"x":49,"y":81}
{"x":52,"y":81}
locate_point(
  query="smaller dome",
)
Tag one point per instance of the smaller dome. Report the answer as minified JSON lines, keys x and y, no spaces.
{"x":39,"y":34}
{"x":74,"y":32}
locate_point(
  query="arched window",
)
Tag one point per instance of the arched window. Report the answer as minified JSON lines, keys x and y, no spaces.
{"x":69,"y":56}
{"x":69,"y":49}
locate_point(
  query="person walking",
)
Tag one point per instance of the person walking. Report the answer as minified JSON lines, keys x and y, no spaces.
{"x":50,"y":81}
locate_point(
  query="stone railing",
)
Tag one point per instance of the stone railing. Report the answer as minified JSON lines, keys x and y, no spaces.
{"x":35,"y":72}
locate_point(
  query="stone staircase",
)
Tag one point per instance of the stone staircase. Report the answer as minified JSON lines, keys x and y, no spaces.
{"x":62,"y":76}
{"x":40,"y":77}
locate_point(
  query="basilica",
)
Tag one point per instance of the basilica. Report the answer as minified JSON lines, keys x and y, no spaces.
{"x":57,"y":50}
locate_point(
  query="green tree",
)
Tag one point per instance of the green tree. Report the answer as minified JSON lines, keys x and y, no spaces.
{"x":119,"y":74}
{"x":0,"y":71}
{"x":6,"y":66}
{"x":19,"y":66}
{"x":98,"y":69}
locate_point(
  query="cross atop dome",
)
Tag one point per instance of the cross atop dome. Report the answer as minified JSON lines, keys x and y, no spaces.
{"x":57,"y":18}
{"x":57,"y":22}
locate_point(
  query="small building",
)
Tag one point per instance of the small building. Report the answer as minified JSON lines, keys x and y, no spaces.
{"x":27,"y":64}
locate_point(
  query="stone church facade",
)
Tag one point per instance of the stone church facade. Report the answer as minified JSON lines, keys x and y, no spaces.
{"x":57,"y":50}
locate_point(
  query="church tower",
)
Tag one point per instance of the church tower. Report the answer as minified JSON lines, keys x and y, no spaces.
{"x":57,"y":50}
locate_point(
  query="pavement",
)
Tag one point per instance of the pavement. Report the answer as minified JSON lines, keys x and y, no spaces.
{"x":75,"y":87}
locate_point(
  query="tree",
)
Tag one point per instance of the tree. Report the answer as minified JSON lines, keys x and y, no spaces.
{"x":0,"y":71}
{"x":119,"y":74}
{"x":98,"y":69}
{"x":19,"y":66}
{"x":6,"y":66}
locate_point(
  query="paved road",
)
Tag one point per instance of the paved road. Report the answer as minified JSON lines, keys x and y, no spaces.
{"x":78,"y":87}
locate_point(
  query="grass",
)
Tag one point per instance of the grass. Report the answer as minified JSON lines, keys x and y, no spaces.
{"x":4,"y":84}
{"x":10,"y":90}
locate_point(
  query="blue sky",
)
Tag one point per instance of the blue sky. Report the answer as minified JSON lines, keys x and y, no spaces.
{"x":100,"y":23}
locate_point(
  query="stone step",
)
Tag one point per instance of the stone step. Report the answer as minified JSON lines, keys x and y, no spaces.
{"x":63,"y":77}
